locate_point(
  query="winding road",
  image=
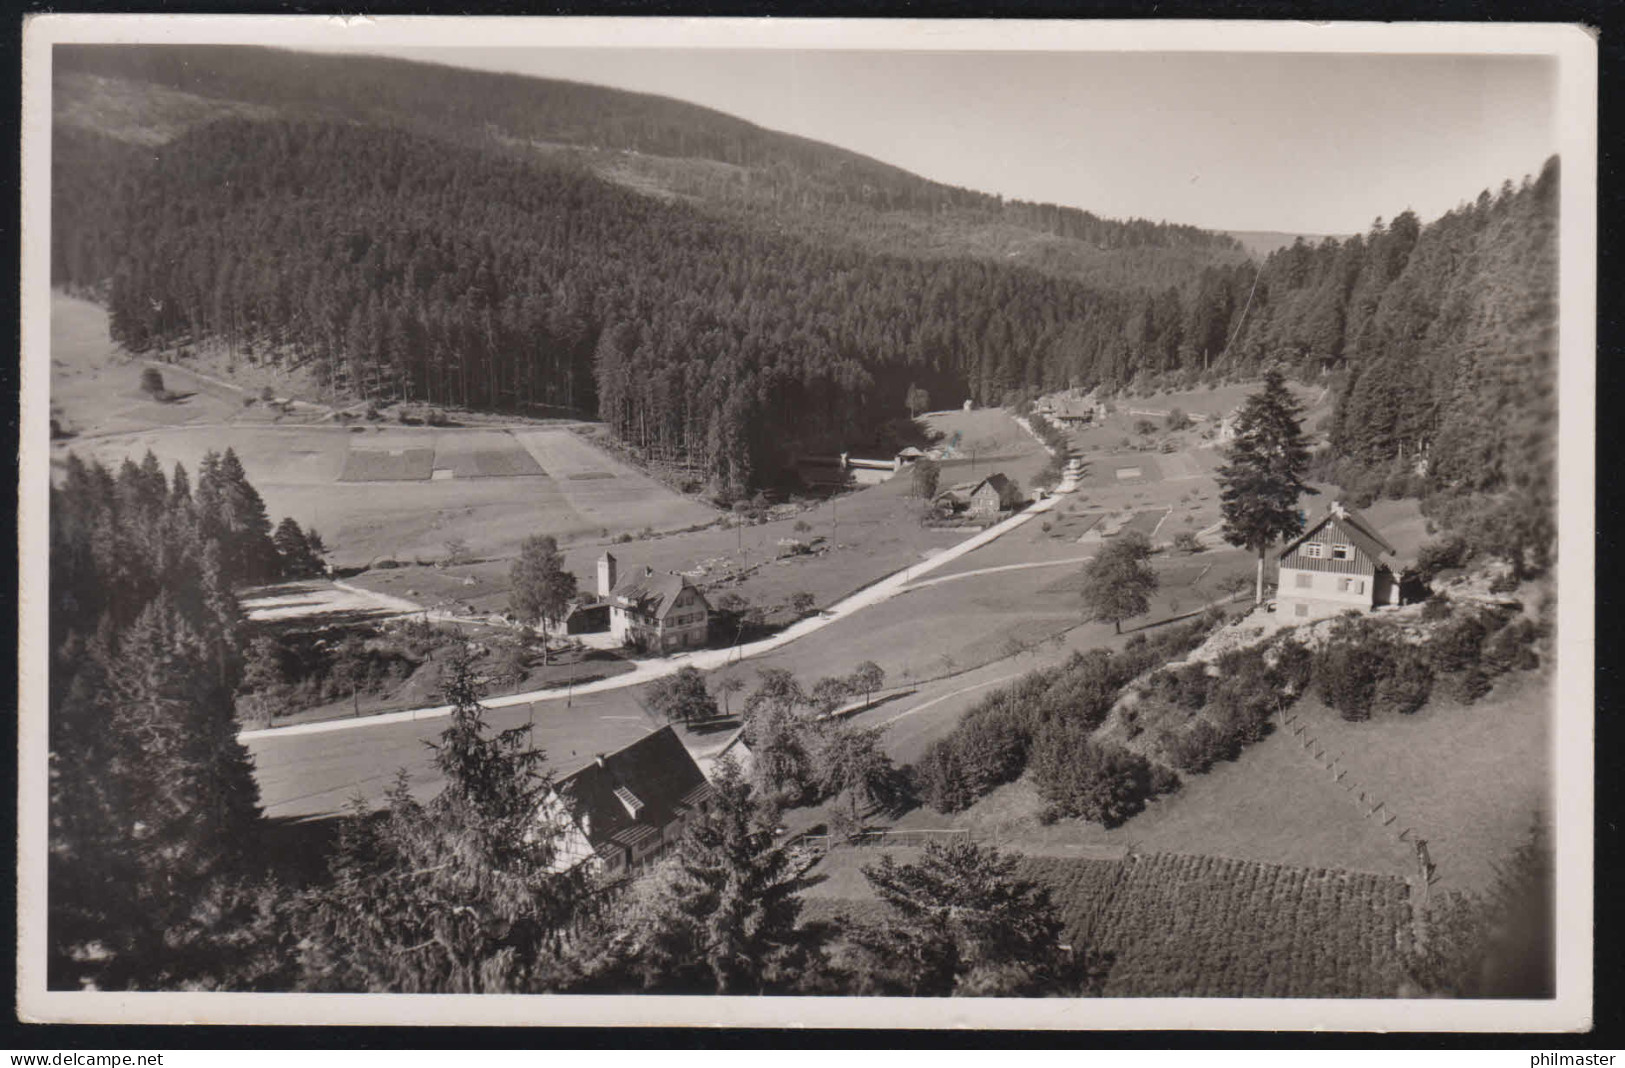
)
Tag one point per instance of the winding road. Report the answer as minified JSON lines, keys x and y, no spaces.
{"x":315,"y":769}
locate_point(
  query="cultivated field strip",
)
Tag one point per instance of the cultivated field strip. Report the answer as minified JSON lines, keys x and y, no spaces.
{"x":1207,"y":926}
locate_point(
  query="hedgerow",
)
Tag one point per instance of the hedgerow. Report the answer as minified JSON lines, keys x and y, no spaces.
{"x":999,"y":738}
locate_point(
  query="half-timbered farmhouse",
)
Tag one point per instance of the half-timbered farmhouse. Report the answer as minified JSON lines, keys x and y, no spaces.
{"x":1333,"y":566}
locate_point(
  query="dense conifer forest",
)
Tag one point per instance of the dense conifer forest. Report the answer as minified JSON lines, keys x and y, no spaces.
{"x":396,"y":226}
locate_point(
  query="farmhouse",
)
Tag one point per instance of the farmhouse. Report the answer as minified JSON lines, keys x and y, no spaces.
{"x":658,"y":611}
{"x":629,"y":808}
{"x":992,"y":495}
{"x":1335,"y":565}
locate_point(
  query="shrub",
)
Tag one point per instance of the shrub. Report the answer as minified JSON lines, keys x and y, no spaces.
{"x":1290,"y":667}
{"x":1079,"y":777}
{"x":1195,"y":749}
{"x":1440,"y":555}
{"x":1512,"y":647}
{"x":1241,"y":705}
{"x":1456,"y":645}
{"x":1436,"y":608}
{"x":1468,"y":686}
{"x":1163,"y":780}
{"x":152,"y":382}
{"x":1346,"y":678}
{"x":1186,"y":541}
{"x":1405,"y":683}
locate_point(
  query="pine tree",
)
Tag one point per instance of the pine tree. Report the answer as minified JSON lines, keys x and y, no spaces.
{"x":1262,"y":478}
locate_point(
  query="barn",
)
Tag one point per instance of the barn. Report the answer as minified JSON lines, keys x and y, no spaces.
{"x":1335,"y":565}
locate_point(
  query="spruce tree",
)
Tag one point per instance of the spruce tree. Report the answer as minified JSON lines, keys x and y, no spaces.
{"x":721,"y":919}
{"x":964,"y":922}
{"x":154,"y":811}
{"x":1262,"y":479}
{"x":294,"y":557}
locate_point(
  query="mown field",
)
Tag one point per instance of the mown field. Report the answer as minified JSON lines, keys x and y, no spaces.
{"x":1195,"y":925}
{"x":860,"y":536}
{"x":374,"y":490}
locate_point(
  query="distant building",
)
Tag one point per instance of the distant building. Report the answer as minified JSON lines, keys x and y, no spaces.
{"x":658,"y":611}
{"x":1333,"y":566}
{"x":629,"y":808}
{"x":955,"y":498}
{"x":992,"y":495}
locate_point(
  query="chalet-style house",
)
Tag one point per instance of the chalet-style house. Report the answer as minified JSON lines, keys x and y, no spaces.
{"x":654,"y":610}
{"x":1333,"y":566}
{"x":629,"y":808}
{"x":992,"y":495}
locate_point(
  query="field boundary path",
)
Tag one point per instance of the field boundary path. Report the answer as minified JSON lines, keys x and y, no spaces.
{"x":706,"y":659}
{"x":994,"y":570}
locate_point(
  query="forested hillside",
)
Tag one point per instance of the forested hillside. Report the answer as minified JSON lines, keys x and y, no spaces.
{"x":486,"y":240}
{"x":655,"y":145}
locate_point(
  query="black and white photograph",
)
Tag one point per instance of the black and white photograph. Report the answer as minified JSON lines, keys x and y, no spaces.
{"x":820,"y":518}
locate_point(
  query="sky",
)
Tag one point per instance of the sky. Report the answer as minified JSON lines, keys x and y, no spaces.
{"x":1303,"y":143}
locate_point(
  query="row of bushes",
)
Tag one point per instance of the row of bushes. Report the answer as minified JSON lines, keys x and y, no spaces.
{"x":1230,"y":709}
{"x":1364,"y":669}
{"x":1039,"y":719}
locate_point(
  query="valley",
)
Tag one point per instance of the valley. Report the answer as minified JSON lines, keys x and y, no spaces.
{"x":515,"y":535}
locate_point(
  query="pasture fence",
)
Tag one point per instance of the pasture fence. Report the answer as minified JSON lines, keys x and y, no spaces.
{"x":1372,"y":807}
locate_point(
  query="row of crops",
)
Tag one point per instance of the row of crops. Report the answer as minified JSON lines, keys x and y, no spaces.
{"x":1204,"y":926}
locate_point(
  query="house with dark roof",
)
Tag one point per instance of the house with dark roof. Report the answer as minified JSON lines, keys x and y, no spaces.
{"x":992,"y":495}
{"x":628,"y":808}
{"x":1333,"y":566}
{"x":659,"y":611}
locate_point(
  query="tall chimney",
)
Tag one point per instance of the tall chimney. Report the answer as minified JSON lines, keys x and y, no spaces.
{"x":606,"y":574}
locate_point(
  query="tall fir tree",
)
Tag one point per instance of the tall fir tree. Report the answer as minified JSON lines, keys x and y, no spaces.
{"x":1262,"y":479}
